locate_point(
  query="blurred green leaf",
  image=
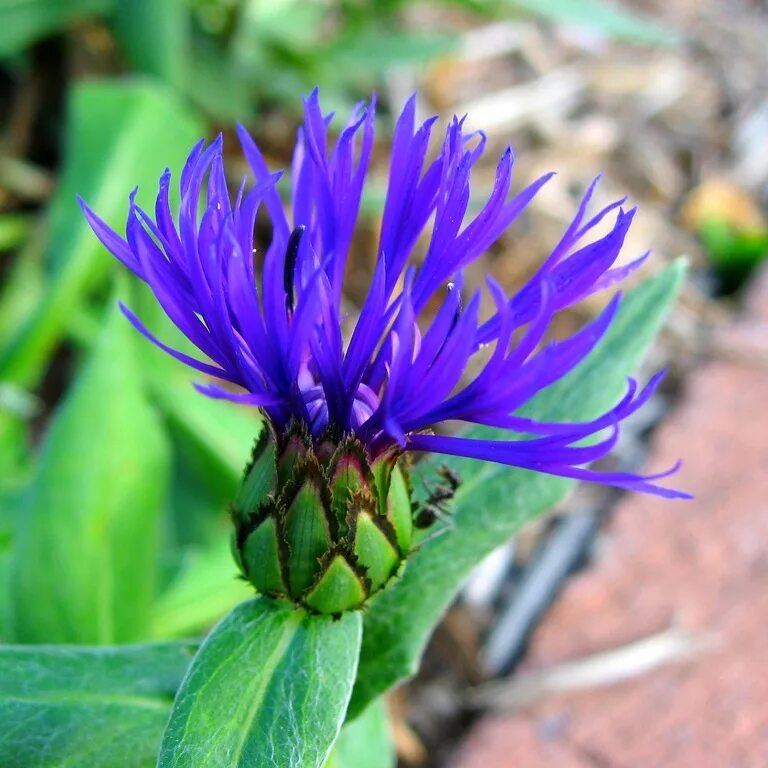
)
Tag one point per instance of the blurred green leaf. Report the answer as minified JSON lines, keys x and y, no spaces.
{"x":22,"y":22}
{"x":155,"y":35}
{"x":365,"y":742}
{"x":289,"y":46}
{"x":606,"y":18}
{"x":9,"y":514}
{"x":119,"y":134}
{"x":14,"y":440}
{"x":206,"y":587}
{"x":17,"y":401}
{"x":14,"y":228}
{"x":269,"y":686}
{"x":494,"y":500}
{"x":198,"y":514}
{"x":70,"y":706}
{"x":22,"y":288}
{"x":85,"y":557}
{"x":377,"y":51}
{"x":15,"y":448}
{"x":208,"y":69}
{"x":734,"y":251}
{"x":221,"y":434}
{"x":294,"y":24}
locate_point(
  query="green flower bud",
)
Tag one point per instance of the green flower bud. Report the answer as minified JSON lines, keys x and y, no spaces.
{"x":318,"y":523}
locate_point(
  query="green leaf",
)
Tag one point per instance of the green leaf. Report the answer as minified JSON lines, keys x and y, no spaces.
{"x":269,"y":687}
{"x":14,"y":230}
{"x":607,"y":18}
{"x":261,"y":558}
{"x":493,"y":500}
{"x":205,"y":589}
{"x":23,"y":285}
{"x":24,"y":21}
{"x":15,"y":451}
{"x":294,"y":24}
{"x":9,"y":514}
{"x":376,"y":50}
{"x":85,"y":560}
{"x":366,"y":742}
{"x":71,"y":707}
{"x":155,"y":37}
{"x":119,"y":134}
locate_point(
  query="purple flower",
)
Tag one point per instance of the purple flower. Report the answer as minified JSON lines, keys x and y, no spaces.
{"x":280,"y":336}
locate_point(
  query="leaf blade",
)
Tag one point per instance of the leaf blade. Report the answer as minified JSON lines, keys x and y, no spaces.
{"x":85,"y":557}
{"x":206,"y":587}
{"x":243,"y":702}
{"x":58,"y":705}
{"x":613,"y":20}
{"x":118,"y":135}
{"x":22,"y":23}
{"x":366,"y":742}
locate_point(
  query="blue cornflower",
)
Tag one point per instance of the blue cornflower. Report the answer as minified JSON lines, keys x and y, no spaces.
{"x":280,"y":337}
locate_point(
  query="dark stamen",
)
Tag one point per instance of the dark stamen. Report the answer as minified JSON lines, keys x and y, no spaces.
{"x":289,"y":270}
{"x":454,"y":321}
{"x":457,"y":314}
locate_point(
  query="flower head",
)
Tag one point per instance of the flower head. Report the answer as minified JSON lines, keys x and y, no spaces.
{"x":278,"y":339}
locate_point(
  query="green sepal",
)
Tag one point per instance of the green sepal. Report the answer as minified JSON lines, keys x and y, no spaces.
{"x":261,"y":559}
{"x":296,"y":444}
{"x":375,"y":552}
{"x":325,"y":501}
{"x":348,"y":473}
{"x":382,"y":476}
{"x":260,"y":477}
{"x":339,"y":589}
{"x":399,"y":512}
{"x":306,"y":529}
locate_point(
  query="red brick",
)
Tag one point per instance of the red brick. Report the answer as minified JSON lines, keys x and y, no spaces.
{"x":702,"y":566}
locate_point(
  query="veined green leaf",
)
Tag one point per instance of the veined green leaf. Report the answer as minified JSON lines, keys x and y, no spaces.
{"x":71,"y":706}
{"x":493,"y":500}
{"x":119,"y":134}
{"x":85,"y":557}
{"x":269,"y":687}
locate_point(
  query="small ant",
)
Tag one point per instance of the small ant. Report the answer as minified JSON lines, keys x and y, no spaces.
{"x":428,"y":512}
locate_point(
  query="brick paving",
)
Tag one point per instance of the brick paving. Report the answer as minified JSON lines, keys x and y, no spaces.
{"x":701,"y":566}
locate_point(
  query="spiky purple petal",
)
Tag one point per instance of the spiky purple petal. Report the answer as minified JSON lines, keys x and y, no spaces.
{"x":276,"y":339}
